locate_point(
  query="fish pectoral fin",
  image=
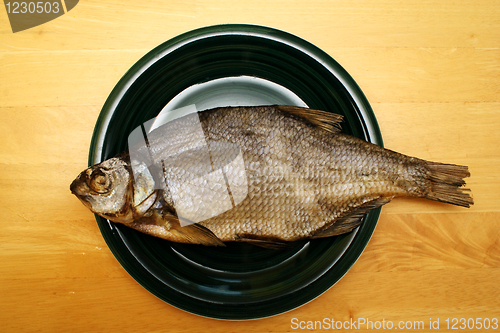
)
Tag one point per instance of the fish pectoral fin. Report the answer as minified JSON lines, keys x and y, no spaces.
{"x":192,"y":233}
{"x":352,"y":220}
{"x":265,"y":242}
{"x":197,"y":234}
{"x":325,"y":120}
{"x":167,"y":226}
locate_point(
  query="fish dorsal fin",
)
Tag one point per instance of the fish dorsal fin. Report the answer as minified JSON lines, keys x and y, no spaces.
{"x":351,"y":220}
{"x":328,"y":121}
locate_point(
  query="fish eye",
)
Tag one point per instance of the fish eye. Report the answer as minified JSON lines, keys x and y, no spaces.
{"x":99,"y":181}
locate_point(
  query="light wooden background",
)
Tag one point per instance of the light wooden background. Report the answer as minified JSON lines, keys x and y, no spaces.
{"x":430,"y":69}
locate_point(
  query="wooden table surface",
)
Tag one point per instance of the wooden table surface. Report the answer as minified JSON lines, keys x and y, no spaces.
{"x":431,"y":71}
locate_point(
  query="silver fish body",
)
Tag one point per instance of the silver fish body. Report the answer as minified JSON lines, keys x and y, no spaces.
{"x":285,"y":173}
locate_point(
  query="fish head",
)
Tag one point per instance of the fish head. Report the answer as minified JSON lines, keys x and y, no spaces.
{"x":105,"y":189}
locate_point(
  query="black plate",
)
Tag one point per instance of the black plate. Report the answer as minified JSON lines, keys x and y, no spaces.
{"x":216,"y":66}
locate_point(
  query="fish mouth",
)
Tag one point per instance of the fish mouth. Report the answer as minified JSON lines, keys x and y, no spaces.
{"x":73,"y":187}
{"x":78,"y":186}
{"x":81,"y":190}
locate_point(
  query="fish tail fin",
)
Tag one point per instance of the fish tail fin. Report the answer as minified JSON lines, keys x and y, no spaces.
{"x":447,"y":181}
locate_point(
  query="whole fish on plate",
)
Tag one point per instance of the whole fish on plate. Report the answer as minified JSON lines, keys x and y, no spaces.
{"x":265,"y":175}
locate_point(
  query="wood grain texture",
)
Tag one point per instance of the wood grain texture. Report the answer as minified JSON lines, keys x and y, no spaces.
{"x":431,"y":71}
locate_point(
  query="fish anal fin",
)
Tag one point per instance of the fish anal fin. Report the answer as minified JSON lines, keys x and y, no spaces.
{"x":265,"y":242}
{"x":328,"y":121}
{"x":352,"y":220}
